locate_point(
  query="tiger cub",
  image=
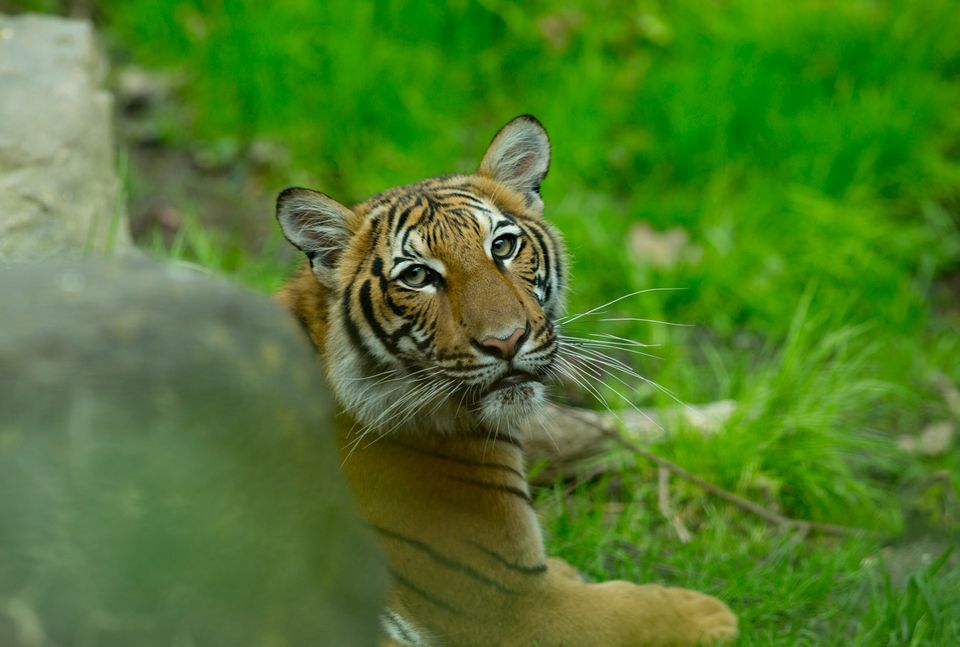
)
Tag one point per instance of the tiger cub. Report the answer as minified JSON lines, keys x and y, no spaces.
{"x":432,"y":306}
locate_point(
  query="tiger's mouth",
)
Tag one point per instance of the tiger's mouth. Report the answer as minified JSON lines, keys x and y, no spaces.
{"x":512,"y":379}
{"x":515,"y":396}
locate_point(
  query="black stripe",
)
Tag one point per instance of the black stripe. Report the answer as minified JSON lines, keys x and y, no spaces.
{"x":366,"y":304}
{"x":464,"y":461}
{"x":462,"y":214}
{"x":442,"y":559}
{"x":446,"y":193}
{"x":375,"y":222}
{"x":504,"y":223}
{"x":402,"y":220}
{"x":538,"y":569}
{"x":405,"y":331}
{"x":500,"y":438}
{"x":430,"y":213}
{"x":454,"y":356}
{"x":510,"y":440}
{"x":391,"y":214}
{"x":406,"y":234}
{"x":407,"y":584}
{"x":352,"y":331}
{"x":376,"y":268}
{"x":539,"y":348}
{"x":396,"y":308}
{"x":499,"y":487}
{"x":557,"y":265}
{"x":534,"y":229}
{"x":423,"y":320}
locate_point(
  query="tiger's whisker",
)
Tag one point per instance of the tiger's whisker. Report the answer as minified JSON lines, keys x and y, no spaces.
{"x":623,"y":340}
{"x":391,"y":411}
{"x":569,"y":318}
{"x":607,"y":338}
{"x":574,"y":373}
{"x":618,"y":349}
{"x":594,"y":392}
{"x":654,"y":321}
{"x":629,"y":401}
{"x":606,"y":360}
{"x":370,"y":377}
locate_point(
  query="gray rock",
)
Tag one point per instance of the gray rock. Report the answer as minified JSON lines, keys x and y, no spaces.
{"x":59,"y":192}
{"x":167,"y":471}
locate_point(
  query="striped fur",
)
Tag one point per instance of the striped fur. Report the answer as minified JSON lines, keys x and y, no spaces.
{"x":432,"y":307}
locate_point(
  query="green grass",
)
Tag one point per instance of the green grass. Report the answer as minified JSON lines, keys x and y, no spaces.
{"x":223,"y":254}
{"x":787,"y":589}
{"x":810,"y":153}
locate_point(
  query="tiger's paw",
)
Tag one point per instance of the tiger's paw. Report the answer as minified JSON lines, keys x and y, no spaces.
{"x":711,"y":621}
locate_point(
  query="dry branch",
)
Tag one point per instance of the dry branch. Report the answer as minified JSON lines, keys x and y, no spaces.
{"x":663,"y":503}
{"x":574,"y":442}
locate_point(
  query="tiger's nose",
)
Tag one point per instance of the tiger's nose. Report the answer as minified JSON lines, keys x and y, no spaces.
{"x":503,"y":347}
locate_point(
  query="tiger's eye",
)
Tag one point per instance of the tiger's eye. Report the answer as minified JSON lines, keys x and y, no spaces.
{"x":503,"y":246}
{"x":416,"y":276}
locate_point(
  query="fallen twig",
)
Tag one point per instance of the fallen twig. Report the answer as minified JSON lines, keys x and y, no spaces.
{"x":663,"y":503}
{"x":726,"y":495}
{"x":573,"y":439}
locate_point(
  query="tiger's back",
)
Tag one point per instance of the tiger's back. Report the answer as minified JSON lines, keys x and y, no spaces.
{"x":433,"y":308}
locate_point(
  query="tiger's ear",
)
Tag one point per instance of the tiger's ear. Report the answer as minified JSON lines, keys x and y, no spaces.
{"x":519,"y":156}
{"x":317,"y":225}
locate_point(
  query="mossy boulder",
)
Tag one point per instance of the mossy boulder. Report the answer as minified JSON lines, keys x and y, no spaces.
{"x":167,"y":471}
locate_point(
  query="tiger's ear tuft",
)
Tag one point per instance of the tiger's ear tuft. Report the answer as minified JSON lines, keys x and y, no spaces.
{"x":519,"y":157}
{"x":317,"y":225}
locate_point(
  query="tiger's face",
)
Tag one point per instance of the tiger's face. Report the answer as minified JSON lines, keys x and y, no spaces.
{"x":441,"y":295}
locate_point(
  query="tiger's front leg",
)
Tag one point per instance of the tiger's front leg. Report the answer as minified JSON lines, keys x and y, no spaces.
{"x":566,"y":612}
{"x":622,"y":614}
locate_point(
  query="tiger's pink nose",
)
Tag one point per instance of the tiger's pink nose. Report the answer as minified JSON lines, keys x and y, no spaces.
{"x":505,"y":348}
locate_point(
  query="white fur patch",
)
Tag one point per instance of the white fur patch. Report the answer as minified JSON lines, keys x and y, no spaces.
{"x":519,"y":157}
{"x":505,"y":408}
{"x":400,"y":630}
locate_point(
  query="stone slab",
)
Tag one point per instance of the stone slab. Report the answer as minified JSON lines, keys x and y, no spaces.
{"x":59,"y":191}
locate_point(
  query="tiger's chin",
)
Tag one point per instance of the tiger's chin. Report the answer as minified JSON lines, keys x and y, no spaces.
{"x":507,"y":405}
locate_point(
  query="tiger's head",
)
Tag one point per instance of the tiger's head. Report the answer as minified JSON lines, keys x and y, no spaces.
{"x":433,"y":304}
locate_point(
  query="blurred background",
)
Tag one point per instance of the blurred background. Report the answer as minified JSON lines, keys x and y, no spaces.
{"x":793,"y":169}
